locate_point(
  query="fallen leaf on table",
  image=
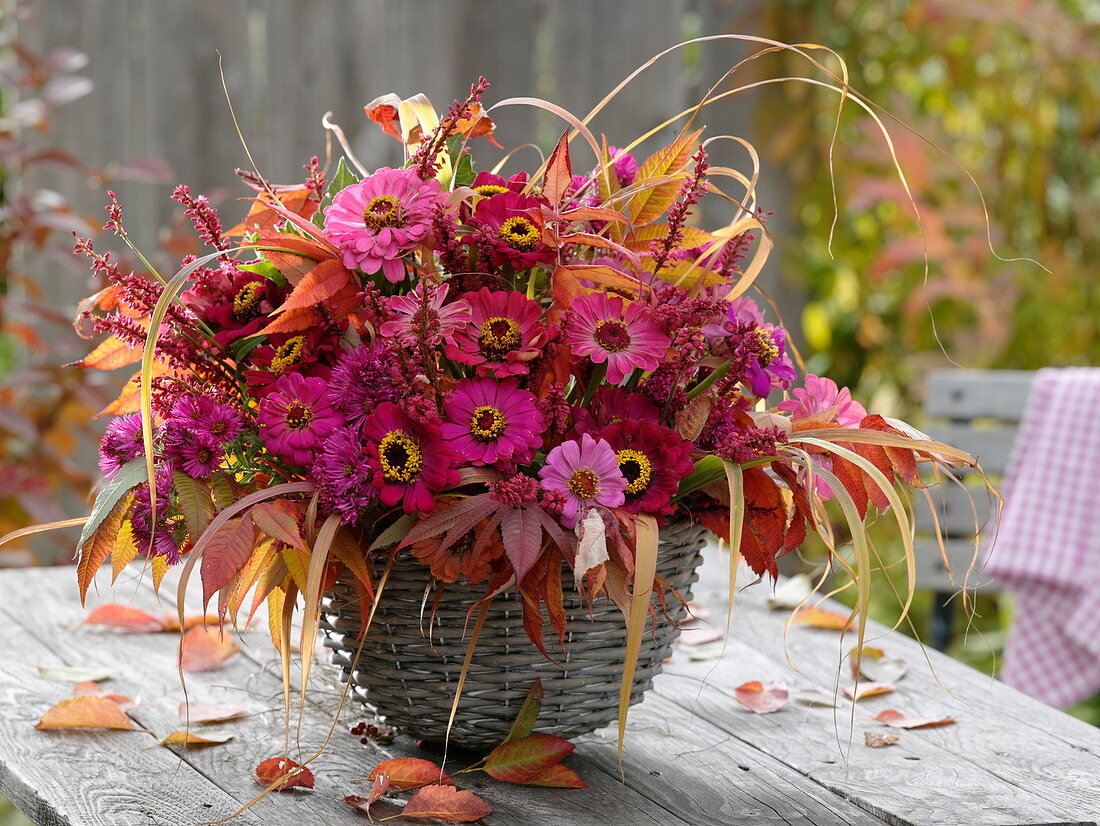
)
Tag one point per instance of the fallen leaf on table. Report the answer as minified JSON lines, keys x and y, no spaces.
{"x":211,"y":712}
{"x":408,"y":772}
{"x":85,"y":712}
{"x":761,"y":699}
{"x":363,"y":804}
{"x":206,"y":648}
{"x":700,"y":636}
{"x":557,"y":777}
{"x":792,"y":592}
{"x":124,"y":617}
{"x":814,"y":697}
{"x":87,"y":688}
{"x":877,"y":740}
{"x":711,"y":652}
{"x":447,"y":803}
{"x":65,"y":674}
{"x":197,"y":737}
{"x":865,"y":690}
{"x":876,"y":665}
{"x":895,"y":719}
{"x":284,"y":773}
{"x":517,"y":761}
{"x":824,"y":618}
{"x":171,"y":622}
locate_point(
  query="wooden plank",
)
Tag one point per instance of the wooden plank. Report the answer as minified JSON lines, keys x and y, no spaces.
{"x":932,"y":574}
{"x":978,"y":394}
{"x":991,"y":446}
{"x":1010,"y":759}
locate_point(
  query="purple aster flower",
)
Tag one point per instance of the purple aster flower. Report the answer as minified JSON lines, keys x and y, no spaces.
{"x":761,"y":355}
{"x":624,"y":165}
{"x":421,"y":316}
{"x":585,"y":473}
{"x":490,"y":421}
{"x":170,"y":531}
{"x":121,"y":443}
{"x":363,"y":379}
{"x":410,"y":460}
{"x":343,"y":476}
{"x":376,"y":221}
{"x":296,"y":417}
{"x":599,"y":328}
{"x":219,"y":421}
{"x":195,"y":452}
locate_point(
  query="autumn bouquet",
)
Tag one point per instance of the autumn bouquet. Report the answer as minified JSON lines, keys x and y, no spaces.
{"x":496,"y":377}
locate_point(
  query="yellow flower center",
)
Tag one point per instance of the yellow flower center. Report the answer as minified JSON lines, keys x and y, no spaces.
{"x":485,"y":190}
{"x":765,"y":349}
{"x":288,"y":353}
{"x":520,"y":234}
{"x":498,"y":337}
{"x":612,"y":335}
{"x":383,"y":211}
{"x":636,"y":469}
{"x":298,"y":416}
{"x":584,"y":484}
{"x":400,"y":457}
{"x":218,"y":428}
{"x":246,"y":303}
{"x":487,"y":423}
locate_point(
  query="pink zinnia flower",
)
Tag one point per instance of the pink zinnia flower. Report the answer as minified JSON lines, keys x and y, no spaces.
{"x":503,"y":335}
{"x":422,"y":316}
{"x":599,"y":329}
{"x":652,"y":459}
{"x":504,"y":225}
{"x":821,"y":395}
{"x":583,"y":474}
{"x":296,"y":417}
{"x":409,"y":458}
{"x":486,"y":184}
{"x":376,"y":221}
{"x":490,"y":421}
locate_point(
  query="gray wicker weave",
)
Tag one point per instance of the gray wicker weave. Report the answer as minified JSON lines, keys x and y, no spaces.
{"x":410,"y":679}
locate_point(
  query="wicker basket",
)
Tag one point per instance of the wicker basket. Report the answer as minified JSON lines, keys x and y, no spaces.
{"x":410,"y":679}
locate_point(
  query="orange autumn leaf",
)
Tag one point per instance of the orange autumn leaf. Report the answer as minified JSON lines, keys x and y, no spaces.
{"x":559,"y":172}
{"x":383,"y":111}
{"x":319,"y":284}
{"x":85,"y":712}
{"x":262,"y":217}
{"x":198,"y":737}
{"x":128,"y":618}
{"x":824,"y":618}
{"x":281,"y":773}
{"x":363,"y":804}
{"x":110,"y":354}
{"x":761,"y":699}
{"x":557,"y":777}
{"x":864,"y":690}
{"x":476,"y":124}
{"x":409,"y":772}
{"x":518,"y":761}
{"x":447,"y":803}
{"x":171,"y":622}
{"x":895,"y":719}
{"x":87,"y":688}
{"x":206,"y":648}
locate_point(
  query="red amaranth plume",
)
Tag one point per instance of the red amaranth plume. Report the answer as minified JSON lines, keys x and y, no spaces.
{"x":426,"y":159}
{"x":203,"y":216}
{"x":691,"y":190}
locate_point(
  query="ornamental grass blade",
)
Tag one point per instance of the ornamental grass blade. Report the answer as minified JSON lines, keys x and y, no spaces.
{"x":645,"y":569}
{"x":311,"y":615}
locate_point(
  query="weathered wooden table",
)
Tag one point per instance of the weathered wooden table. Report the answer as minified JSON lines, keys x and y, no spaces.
{"x":693,"y":755}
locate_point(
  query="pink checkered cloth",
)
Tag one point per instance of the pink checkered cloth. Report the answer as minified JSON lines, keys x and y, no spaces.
{"x":1047,"y":548}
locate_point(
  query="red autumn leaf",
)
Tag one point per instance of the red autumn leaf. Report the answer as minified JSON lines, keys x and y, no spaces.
{"x":226,"y":553}
{"x":85,"y":712}
{"x":557,"y":777}
{"x":895,"y":719}
{"x":761,"y":699}
{"x":211,"y":712}
{"x":206,"y":648}
{"x":363,"y":804}
{"x":824,"y":618}
{"x":409,"y":772}
{"x":281,"y":773}
{"x":115,"y":615}
{"x":865,"y":690}
{"x":87,"y":688}
{"x":447,"y":803}
{"x":521,"y":532}
{"x":517,"y":761}
{"x":383,"y":111}
{"x":559,"y":172}
{"x":319,"y":284}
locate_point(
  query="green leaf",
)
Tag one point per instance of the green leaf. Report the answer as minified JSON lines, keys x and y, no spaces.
{"x":528,"y":713}
{"x":461,"y":161}
{"x":264,"y":268}
{"x":66,"y":674}
{"x":243,"y":346}
{"x":517,"y":761}
{"x":195,"y":504}
{"x":129,"y":476}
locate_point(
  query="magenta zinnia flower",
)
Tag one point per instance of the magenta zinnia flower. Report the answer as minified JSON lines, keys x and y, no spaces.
{"x":343,"y":476}
{"x":599,"y":329}
{"x":652,"y":459}
{"x":583,"y":474}
{"x":505,"y":226}
{"x":613,"y":404}
{"x":296,"y":417}
{"x":503,"y":335}
{"x":820,"y":396}
{"x":376,"y":221}
{"x":486,"y":184}
{"x":422,"y":316}
{"x":409,"y":459}
{"x":490,"y":421}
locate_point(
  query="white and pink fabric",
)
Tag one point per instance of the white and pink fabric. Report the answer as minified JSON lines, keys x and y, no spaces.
{"x":1047,"y":548}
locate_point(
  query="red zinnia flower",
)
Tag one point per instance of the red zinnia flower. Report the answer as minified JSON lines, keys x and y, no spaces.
{"x":504,"y":333}
{"x":652,"y":459}
{"x":505,"y":226}
{"x":409,"y":458}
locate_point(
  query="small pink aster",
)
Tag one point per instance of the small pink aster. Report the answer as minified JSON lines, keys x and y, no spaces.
{"x":582,"y":474}
{"x":504,"y":333}
{"x":599,"y":329}
{"x":822,"y":396}
{"x":376,"y":221}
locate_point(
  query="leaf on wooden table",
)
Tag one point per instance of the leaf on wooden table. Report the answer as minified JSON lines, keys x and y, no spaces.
{"x":67,"y":674}
{"x":128,"y":618}
{"x":700,"y":636}
{"x":447,"y":803}
{"x":363,"y":804}
{"x":862,"y":691}
{"x":517,"y":761}
{"x":211,"y":712}
{"x":206,"y":648}
{"x":557,"y":777}
{"x":408,"y":772}
{"x":895,"y":719}
{"x":791,"y":592}
{"x":197,"y":737}
{"x":87,"y":688}
{"x":761,"y":699}
{"x":814,"y":697}
{"x":824,"y":618}
{"x":85,"y":712}
{"x":282,"y":773}
{"x":876,"y":665}
{"x":878,"y":740}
